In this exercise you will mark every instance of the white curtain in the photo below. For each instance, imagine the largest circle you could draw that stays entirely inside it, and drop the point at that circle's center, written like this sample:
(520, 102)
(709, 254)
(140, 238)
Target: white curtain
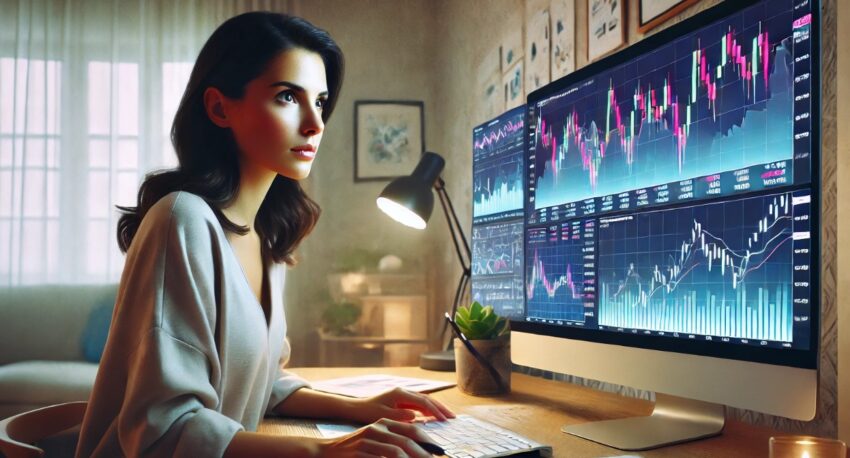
(88, 91)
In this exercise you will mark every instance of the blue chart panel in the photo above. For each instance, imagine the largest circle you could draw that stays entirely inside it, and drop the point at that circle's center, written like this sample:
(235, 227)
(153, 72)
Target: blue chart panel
(718, 100)
(560, 278)
(723, 269)
(497, 266)
(498, 149)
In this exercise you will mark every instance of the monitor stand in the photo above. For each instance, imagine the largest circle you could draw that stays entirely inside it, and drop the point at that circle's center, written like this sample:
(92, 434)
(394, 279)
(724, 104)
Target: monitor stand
(673, 420)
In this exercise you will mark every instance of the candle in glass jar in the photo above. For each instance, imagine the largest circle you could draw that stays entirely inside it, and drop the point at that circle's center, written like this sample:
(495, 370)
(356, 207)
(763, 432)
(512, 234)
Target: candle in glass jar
(806, 447)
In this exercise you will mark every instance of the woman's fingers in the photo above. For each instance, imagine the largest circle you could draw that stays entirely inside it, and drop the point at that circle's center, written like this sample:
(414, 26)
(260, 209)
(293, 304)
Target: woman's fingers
(446, 411)
(383, 448)
(423, 403)
(396, 437)
(410, 430)
(398, 414)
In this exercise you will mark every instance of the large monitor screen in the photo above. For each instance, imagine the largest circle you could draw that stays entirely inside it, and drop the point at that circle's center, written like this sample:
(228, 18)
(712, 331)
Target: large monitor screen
(498, 197)
(672, 190)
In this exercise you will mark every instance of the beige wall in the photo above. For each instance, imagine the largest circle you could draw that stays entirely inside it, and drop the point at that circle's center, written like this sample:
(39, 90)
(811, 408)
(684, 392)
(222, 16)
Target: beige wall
(430, 50)
(386, 46)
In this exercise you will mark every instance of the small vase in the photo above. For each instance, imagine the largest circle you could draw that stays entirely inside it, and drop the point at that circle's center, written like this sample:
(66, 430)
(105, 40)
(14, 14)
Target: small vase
(472, 377)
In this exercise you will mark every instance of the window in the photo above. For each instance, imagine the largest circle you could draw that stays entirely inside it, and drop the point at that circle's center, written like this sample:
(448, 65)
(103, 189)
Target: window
(29, 169)
(175, 77)
(86, 107)
(113, 159)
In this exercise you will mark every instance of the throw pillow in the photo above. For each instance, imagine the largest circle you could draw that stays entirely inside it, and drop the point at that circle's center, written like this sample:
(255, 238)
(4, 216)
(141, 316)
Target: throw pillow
(93, 338)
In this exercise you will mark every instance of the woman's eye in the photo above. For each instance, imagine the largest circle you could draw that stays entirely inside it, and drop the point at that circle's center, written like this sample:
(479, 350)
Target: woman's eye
(286, 96)
(321, 103)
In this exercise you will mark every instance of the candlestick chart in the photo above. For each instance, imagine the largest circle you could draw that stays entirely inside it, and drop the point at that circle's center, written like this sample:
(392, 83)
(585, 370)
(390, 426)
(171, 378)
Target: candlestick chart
(718, 100)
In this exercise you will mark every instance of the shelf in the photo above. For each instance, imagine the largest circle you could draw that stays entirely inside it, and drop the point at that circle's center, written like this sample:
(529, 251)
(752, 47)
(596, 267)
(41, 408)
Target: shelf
(370, 339)
(352, 285)
(352, 351)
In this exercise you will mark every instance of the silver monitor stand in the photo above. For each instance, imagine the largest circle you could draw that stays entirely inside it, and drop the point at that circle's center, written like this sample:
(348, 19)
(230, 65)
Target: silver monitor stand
(673, 420)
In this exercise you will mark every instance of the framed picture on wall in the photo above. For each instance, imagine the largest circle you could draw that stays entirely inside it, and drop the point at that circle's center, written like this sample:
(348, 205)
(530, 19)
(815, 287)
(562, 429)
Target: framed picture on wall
(389, 138)
(655, 12)
(606, 27)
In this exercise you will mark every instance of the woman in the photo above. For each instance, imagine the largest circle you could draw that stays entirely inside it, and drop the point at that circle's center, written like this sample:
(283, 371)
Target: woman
(191, 363)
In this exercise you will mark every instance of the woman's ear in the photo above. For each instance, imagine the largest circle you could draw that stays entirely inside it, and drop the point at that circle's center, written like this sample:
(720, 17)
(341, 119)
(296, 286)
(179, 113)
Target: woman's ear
(214, 105)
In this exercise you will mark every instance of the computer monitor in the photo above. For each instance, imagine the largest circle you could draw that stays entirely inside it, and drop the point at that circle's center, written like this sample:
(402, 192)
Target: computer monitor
(498, 200)
(672, 222)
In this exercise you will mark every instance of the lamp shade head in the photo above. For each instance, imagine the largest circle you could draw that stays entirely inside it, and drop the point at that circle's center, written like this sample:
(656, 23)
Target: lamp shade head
(409, 199)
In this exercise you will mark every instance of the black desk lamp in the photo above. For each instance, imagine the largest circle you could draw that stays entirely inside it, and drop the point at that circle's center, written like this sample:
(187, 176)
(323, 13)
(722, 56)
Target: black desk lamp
(409, 201)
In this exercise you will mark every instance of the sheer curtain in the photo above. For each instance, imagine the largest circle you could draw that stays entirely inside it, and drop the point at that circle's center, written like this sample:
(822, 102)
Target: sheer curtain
(88, 91)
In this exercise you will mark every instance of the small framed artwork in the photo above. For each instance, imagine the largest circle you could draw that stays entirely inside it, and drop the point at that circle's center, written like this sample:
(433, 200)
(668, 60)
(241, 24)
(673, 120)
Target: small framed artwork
(389, 138)
(512, 81)
(562, 14)
(606, 27)
(655, 12)
(537, 49)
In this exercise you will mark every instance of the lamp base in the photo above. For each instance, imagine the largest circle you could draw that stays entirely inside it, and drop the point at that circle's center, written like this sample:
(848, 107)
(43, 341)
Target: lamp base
(438, 361)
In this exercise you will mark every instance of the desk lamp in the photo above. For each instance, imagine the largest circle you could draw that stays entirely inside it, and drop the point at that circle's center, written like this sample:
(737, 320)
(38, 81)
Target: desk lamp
(409, 200)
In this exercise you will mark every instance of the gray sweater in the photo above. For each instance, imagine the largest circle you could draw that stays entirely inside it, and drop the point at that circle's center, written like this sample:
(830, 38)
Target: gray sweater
(189, 360)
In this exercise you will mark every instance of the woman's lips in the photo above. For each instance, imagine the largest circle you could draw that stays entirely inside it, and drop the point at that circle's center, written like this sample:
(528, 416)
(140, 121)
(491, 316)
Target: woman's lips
(304, 154)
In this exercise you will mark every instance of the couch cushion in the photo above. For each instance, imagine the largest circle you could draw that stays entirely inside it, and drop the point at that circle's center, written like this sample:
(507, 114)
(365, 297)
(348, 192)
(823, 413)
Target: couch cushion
(46, 382)
(45, 322)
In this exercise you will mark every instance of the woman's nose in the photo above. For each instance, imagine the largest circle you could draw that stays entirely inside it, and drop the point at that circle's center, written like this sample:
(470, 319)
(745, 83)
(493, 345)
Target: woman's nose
(312, 123)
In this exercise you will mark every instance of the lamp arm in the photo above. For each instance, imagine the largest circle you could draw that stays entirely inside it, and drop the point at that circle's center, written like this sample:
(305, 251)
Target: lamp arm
(454, 224)
(457, 233)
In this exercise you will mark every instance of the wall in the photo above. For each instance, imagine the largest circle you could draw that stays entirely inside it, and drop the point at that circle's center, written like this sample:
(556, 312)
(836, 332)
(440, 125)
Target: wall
(385, 59)
(468, 30)
(843, 195)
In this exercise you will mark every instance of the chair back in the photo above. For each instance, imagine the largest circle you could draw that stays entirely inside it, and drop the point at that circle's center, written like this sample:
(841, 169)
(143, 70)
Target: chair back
(18, 433)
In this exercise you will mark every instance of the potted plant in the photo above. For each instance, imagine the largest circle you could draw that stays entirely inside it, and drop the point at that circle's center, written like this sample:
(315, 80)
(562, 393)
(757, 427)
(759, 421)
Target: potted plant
(489, 335)
(339, 318)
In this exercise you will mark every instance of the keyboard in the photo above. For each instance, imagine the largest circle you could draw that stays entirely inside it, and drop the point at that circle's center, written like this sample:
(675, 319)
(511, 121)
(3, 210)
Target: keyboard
(468, 437)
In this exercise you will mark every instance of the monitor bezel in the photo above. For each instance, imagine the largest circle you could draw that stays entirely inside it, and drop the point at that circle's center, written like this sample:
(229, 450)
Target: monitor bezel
(807, 359)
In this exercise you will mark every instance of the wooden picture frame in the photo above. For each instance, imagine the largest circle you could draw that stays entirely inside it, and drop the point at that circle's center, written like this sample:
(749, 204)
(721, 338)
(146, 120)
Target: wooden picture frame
(668, 9)
(602, 17)
(389, 138)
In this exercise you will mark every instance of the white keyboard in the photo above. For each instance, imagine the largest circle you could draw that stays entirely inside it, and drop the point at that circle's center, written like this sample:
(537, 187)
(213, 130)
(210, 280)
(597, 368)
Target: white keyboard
(468, 437)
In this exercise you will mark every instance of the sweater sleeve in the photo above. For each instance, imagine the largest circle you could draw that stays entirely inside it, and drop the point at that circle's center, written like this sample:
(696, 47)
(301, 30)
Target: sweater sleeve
(285, 383)
(170, 406)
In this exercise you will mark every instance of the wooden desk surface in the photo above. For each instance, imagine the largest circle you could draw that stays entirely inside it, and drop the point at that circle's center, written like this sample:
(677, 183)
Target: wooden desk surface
(537, 408)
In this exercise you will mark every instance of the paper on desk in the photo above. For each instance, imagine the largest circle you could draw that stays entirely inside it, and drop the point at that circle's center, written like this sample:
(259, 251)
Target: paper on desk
(363, 386)
(330, 430)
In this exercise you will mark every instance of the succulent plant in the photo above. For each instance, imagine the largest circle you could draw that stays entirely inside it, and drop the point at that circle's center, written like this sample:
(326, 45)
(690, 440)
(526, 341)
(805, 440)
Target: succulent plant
(480, 323)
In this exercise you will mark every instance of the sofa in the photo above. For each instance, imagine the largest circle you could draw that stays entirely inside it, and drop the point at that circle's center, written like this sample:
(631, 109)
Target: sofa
(51, 339)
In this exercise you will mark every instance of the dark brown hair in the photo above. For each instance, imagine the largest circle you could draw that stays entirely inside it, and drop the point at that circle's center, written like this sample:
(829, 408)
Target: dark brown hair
(237, 52)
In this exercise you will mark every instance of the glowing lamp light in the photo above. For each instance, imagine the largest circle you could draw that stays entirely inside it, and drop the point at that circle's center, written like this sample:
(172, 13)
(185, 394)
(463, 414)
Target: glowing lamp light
(409, 199)
(401, 213)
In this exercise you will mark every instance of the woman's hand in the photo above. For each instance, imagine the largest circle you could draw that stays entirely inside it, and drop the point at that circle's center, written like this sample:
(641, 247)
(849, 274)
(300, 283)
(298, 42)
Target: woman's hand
(398, 404)
(384, 438)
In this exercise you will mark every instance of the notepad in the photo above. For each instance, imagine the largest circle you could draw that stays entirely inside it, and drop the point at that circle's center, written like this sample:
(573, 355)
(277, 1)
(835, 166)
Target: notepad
(363, 386)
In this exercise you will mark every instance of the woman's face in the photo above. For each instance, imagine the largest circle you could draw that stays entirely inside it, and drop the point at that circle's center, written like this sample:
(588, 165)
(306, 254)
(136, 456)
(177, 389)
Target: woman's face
(278, 122)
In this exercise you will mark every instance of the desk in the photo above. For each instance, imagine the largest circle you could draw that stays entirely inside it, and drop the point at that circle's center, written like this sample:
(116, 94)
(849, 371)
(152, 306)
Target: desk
(537, 408)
